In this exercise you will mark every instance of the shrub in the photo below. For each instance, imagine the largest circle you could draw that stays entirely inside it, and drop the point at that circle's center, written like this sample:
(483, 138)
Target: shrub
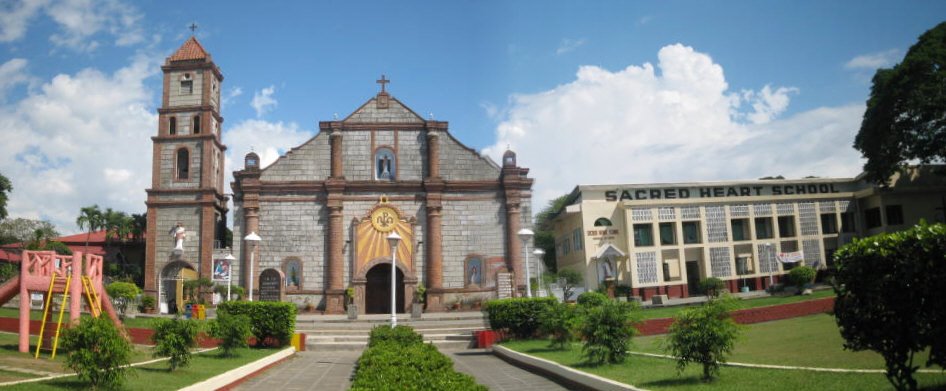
(148, 302)
(174, 338)
(270, 322)
(97, 352)
(802, 275)
(396, 361)
(231, 330)
(122, 294)
(592, 299)
(559, 321)
(194, 289)
(519, 316)
(712, 287)
(704, 335)
(890, 300)
(607, 330)
(8, 270)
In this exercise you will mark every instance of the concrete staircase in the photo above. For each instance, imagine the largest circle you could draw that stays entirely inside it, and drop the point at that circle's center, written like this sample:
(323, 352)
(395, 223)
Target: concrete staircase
(451, 330)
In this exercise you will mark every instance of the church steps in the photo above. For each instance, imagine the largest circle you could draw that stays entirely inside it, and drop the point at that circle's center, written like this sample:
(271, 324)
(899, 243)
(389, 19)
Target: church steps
(361, 345)
(450, 330)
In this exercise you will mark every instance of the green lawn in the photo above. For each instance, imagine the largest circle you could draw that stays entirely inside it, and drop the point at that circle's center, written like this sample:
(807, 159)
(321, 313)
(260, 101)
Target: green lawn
(805, 341)
(669, 312)
(142, 323)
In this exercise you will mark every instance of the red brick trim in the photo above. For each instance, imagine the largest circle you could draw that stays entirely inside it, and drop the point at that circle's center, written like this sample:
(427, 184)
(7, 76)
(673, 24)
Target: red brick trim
(752, 315)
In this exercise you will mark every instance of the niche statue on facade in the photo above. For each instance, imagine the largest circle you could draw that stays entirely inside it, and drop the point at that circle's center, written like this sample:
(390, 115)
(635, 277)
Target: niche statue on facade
(178, 233)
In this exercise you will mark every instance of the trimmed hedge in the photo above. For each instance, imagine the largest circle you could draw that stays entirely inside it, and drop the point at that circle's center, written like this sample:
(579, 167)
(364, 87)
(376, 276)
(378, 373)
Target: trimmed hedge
(521, 316)
(271, 322)
(397, 359)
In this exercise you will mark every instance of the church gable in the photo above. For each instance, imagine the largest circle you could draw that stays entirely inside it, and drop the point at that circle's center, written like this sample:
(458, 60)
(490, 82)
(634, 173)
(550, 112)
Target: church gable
(383, 109)
(461, 163)
(310, 161)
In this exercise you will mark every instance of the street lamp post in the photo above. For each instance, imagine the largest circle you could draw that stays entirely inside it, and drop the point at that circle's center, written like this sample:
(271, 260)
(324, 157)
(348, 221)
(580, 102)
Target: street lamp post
(539, 268)
(393, 240)
(230, 260)
(253, 239)
(525, 234)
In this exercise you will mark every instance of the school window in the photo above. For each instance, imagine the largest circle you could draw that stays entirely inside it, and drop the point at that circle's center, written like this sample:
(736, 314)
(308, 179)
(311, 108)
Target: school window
(829, 223)
(576, 237)
(847, 222)
(786, 226)
(763, 227)
(667, 234)
(602, 222)
(894, 214)
(872, 217)
(643, 235)
(740, 229)
(691, 232)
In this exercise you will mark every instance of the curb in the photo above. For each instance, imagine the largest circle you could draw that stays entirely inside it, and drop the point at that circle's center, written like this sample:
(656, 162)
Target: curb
(237, 375)
(560, 372)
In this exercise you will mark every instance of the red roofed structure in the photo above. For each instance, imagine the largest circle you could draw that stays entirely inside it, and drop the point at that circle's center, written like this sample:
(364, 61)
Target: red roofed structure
(189, 51)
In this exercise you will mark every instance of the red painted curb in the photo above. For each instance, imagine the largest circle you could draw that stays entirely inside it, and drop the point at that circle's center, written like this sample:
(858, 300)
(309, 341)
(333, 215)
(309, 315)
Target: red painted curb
(751, 315)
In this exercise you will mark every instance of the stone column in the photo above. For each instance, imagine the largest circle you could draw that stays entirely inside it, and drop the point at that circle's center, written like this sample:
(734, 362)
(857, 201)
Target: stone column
(513, 244)
(335, 267)
(434, 262)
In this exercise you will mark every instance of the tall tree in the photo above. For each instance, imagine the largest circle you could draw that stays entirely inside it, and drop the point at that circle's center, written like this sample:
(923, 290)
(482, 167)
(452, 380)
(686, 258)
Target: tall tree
(139, 225)
(905, 118)
(5, 188)
(544, 234)
(91, 218)
(20, 230)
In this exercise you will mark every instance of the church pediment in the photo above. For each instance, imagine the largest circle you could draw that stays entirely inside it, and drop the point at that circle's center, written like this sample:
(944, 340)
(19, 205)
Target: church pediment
(383, 108)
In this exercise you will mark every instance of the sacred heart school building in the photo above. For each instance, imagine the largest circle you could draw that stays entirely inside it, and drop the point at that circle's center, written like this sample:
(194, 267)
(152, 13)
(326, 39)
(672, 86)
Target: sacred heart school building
(663, 239)
(324, 210)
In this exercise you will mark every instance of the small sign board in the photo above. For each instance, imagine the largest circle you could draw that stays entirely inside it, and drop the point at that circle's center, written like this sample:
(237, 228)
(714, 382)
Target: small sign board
(271, 285)
(504, 285)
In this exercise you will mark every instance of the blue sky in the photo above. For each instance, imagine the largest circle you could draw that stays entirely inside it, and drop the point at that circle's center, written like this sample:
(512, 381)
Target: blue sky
(694, 90)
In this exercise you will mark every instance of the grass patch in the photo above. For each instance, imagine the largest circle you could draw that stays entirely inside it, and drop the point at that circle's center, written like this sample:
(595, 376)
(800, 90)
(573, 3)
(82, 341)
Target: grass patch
(139, 323)
(10, 355)
(740, 304)
(6, 376)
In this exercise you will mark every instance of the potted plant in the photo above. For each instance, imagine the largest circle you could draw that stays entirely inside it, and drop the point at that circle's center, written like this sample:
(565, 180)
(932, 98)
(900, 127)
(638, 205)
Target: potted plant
(148, 304)
(417, 308)
(351, 306)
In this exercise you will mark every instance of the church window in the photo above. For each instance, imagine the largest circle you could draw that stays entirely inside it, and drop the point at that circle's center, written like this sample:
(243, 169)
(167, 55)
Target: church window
(187, 85)
(183, 163)
(384, 164)
(602, 222)
(172, 126)
(196, 124)
(292, 269)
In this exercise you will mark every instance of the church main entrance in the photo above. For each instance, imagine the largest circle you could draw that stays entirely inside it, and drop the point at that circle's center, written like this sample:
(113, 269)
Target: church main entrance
(378, 289)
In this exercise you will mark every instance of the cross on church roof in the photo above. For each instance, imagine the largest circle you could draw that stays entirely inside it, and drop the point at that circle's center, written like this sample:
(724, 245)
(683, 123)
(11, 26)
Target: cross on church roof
(382, 82)
(193, 28)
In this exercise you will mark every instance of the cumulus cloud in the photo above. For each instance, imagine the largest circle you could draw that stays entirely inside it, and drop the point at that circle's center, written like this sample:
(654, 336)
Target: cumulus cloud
(568, 45)
(80, 139)
(12, 73)
(79, 21)
(673, 122)
(231, 94)
(873, 61)
(263, 101)
(16, 16)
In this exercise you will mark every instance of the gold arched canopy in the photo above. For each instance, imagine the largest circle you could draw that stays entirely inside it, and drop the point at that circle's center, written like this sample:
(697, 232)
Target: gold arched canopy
(371, 234)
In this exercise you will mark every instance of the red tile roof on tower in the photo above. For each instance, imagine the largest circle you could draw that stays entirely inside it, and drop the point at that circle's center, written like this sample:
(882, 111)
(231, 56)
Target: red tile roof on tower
(190, 50)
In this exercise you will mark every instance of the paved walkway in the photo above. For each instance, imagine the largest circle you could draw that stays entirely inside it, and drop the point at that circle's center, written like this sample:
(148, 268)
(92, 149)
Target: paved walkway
(308, 370)
(496, 374)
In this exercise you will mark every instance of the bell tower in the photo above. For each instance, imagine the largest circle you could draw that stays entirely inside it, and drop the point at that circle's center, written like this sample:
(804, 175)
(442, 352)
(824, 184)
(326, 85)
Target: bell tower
(186, 199)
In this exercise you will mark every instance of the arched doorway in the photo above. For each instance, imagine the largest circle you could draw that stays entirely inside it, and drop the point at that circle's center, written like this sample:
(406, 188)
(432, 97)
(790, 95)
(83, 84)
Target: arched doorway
(378, 289)
(171, 288)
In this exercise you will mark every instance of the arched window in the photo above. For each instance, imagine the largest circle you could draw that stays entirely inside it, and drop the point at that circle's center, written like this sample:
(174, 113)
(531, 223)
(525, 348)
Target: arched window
(292, 269)
(196, 124)
(602, 222)
(172, 126)
(183, 163)
(385, 165)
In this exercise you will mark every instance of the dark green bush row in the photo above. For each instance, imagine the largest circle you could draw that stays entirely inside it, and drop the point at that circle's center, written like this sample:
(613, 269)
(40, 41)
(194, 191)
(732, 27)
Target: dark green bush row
(397, 359)
(519, 316)
(272, 322)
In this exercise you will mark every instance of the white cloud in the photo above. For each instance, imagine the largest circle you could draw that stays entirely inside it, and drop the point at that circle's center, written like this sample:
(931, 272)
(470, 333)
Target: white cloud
(674, 122)
(263, 101)
(12, 73)
(873, 61)
(15, 16)
(79, 21)
(80, 139)
(568, 45)
(228, 97)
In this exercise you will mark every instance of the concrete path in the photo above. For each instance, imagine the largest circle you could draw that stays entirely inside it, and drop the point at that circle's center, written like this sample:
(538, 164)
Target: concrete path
(496, 374)
(308, 370)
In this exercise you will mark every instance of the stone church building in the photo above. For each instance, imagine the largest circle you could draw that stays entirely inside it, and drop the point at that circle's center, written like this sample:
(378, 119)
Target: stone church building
(325, 208)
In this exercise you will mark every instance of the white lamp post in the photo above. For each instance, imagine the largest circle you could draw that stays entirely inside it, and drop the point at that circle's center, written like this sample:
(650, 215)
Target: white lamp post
(253, 239)
(525, 234)
(229, 259)
(393, 240)
(539, 268)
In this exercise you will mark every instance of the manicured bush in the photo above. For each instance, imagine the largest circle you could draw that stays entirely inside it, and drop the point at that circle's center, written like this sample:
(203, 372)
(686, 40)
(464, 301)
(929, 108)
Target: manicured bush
(801, 276)
(231, 330)
(607, 330)
(592, 299)
(395, 361)
(559, 322)
(122, 294)
(712, 287)
(174, 338)
(97, 352)
(890, 298)
(272, 323)
(147, 303)
(519, 316)
(704, 335)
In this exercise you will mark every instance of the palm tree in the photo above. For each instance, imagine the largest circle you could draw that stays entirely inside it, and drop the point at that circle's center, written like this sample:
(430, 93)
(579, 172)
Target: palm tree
(90, 217)
(139, 224)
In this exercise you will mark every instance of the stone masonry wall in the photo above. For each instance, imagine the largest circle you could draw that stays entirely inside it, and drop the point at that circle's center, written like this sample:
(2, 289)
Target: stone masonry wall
(357, 156)
(470, 227)
(177, 97)
(294, 229)
(168, 156)
(167, 218)
(460, 164)
(310, 161)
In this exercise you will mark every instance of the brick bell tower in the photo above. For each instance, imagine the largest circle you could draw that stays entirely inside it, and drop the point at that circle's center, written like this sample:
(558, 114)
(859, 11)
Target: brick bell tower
(187, 172)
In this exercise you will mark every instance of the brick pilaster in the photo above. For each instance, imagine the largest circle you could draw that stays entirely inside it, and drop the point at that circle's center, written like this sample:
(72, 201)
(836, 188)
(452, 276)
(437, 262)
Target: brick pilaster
(513, 244)
(336, 145)
(335, 267)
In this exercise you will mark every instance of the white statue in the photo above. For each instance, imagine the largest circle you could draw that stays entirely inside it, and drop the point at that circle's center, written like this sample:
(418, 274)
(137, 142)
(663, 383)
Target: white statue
(178, 233)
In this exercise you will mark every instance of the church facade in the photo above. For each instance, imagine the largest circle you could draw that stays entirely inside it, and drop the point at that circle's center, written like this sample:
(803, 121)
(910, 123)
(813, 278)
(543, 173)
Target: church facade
(324, 210)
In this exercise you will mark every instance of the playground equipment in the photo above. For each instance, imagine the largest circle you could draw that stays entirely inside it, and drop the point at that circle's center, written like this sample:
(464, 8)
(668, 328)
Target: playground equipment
(74, 276)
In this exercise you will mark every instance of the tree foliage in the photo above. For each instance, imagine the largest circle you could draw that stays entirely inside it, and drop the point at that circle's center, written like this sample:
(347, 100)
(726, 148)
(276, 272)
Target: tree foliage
(906, 114)
(231, 330)
(122, 294)
(889, 298)
(97, 352)
(5, 188)
(801, 276)
(712, 287)
(703, 335)
(559, 322)
(174, 338)
(607, 330)
(568, 279)
(544, 235)
(20, 230)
